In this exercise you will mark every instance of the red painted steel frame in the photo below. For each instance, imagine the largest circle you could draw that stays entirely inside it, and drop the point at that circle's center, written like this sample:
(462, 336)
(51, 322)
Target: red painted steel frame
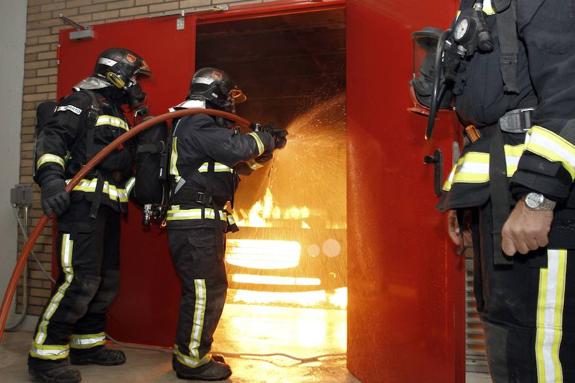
(406, 286)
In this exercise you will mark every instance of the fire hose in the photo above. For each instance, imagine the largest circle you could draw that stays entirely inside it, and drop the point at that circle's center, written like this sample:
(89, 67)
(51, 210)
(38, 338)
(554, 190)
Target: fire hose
(17, 272)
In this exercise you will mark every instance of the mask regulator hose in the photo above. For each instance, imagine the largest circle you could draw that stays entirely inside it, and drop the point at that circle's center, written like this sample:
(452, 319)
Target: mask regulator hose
(439, 87)
(11, 288)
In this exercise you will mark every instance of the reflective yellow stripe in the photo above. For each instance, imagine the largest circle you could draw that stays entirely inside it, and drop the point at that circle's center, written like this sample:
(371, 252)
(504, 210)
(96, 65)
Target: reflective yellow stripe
(199, 313)
(112, 121)
(51, 352)
(551, 146)
(174, 159)
(190, 361)
(66, 260)
(114, 193)
(87, 340)
(49, 158)
(473, 167)
(175, 214)
(259, 142)
(217, 168)
(550, 303)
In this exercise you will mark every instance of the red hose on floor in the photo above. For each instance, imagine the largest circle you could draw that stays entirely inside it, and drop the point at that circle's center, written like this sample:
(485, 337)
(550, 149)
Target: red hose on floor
(11, 289)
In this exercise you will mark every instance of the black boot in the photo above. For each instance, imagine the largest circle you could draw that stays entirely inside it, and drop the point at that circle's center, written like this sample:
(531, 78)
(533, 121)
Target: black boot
(213, 370)
(97, 355)
(52, 371)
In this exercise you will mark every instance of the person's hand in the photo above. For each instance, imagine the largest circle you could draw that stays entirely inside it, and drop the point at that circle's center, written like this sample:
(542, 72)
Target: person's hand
(525, 229)
(453, 229)
(54, 197)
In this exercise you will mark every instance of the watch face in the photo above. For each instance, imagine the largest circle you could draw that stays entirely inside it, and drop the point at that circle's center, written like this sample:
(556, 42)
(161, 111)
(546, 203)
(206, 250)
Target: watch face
(534, 200)
(461, 29)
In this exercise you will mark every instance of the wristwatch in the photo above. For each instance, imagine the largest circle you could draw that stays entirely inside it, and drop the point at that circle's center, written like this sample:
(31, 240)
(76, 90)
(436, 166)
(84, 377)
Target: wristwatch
(537, 201)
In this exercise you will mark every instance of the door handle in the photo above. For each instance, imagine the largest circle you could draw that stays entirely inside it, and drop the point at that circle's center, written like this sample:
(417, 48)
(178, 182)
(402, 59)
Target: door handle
(437, 160)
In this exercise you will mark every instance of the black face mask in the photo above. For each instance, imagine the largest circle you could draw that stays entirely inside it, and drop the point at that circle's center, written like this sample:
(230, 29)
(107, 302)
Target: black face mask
(134, 96)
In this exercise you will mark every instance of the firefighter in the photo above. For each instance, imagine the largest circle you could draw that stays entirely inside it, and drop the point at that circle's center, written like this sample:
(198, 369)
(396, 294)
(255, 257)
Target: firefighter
(84, 122)
(513, 185)
(205, 160)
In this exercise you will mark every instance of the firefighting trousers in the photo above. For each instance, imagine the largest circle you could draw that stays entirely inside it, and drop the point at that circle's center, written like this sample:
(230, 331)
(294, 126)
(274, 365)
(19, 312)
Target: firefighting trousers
(527, 310)
(88, 264)
(198, 255)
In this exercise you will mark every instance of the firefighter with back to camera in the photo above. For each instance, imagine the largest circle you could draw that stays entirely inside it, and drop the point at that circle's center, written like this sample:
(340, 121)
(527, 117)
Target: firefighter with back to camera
(71, 328)
(206, 158)
(510, 66)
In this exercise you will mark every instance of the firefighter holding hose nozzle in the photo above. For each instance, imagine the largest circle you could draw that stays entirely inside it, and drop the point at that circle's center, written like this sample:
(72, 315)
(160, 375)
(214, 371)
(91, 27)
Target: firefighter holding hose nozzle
(71, 328)
(207, 155)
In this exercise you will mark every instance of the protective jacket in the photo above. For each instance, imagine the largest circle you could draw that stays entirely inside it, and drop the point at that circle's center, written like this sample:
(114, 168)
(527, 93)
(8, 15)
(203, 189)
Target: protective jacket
(82, 125)
(204, 163)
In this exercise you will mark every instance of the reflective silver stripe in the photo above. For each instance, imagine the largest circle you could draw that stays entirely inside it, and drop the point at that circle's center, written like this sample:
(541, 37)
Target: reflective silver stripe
(259, 143)
(550, 303)
(473, 167)
(49, 158)
(254, 165)
(87, 340)
(106, 61)
(115, 194)
(488, 7)
(551, 146)
(190, 361)
(66, 260)
(51, 352)
(219, 168)
(130, 185)
(184, 214)
(199, 313)
(203, 80)
(112, 121)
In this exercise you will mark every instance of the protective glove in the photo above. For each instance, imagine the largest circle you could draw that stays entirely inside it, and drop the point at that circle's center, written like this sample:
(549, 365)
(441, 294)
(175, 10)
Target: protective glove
(280, 138)
(279, 135)
(54, 198)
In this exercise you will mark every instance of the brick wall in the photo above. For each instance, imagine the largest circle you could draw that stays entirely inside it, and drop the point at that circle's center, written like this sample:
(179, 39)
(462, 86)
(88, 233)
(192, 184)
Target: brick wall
(43, 25)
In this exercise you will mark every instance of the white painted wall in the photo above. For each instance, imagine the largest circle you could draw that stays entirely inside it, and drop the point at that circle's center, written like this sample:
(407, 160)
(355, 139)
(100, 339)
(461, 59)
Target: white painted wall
(12, 42)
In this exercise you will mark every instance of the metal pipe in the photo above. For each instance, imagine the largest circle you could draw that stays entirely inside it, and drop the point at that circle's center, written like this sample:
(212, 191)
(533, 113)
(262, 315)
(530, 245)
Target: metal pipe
(9, 293)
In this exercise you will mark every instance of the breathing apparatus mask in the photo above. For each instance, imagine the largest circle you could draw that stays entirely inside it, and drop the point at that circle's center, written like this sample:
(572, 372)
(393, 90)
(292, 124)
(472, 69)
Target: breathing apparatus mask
(436, 58)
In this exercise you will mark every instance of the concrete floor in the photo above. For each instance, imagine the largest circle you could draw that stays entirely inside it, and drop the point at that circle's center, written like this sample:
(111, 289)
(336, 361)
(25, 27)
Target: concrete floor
(299, 332)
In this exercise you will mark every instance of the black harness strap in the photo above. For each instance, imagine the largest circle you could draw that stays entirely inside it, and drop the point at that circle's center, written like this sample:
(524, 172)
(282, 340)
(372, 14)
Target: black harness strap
(508, 42)
(97, 196)
(499, 190)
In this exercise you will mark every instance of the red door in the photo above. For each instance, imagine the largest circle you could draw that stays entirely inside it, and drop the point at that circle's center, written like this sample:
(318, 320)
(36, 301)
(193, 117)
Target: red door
(406, 286)
(149, 291)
